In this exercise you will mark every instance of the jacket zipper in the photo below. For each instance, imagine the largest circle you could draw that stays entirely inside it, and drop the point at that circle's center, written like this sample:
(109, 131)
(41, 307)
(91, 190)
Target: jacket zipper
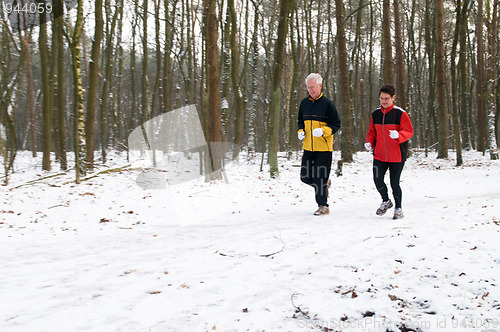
(312, 137)
(383, 134)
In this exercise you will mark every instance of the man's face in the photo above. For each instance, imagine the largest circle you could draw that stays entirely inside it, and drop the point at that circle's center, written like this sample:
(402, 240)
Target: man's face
(314, 89)
(386, 100)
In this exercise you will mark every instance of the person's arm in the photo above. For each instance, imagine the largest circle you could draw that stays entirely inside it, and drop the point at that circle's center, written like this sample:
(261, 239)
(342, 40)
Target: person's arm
(334, 122)
(405, 129)
(300, 122)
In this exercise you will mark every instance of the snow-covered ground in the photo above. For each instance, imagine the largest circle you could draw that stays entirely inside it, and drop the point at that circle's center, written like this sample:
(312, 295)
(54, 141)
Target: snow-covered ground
(248, 255)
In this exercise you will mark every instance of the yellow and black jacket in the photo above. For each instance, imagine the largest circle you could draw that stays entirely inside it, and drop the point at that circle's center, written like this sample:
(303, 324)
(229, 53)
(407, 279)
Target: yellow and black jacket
(319, 113)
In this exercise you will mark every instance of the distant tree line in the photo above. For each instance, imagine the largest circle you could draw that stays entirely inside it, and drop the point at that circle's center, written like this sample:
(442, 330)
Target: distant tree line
(80, 81)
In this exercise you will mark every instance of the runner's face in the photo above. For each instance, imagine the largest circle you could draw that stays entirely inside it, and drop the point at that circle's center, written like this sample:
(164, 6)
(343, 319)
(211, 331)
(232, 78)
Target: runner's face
(314, 89)
(386, 100)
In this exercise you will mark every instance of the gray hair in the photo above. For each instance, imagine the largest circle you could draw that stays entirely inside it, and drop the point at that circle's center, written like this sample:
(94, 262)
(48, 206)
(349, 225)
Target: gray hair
(315, 76)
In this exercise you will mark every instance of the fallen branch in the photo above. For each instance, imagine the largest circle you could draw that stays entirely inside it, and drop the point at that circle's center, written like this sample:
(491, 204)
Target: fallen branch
(40, 179)
(106, 171)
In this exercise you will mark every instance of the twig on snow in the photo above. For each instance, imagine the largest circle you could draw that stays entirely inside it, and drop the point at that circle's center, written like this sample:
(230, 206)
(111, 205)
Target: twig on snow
(307, 316)
(277, 252)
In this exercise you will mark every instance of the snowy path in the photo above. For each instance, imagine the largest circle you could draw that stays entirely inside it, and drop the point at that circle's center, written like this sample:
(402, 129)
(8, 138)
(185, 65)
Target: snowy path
(251, 256)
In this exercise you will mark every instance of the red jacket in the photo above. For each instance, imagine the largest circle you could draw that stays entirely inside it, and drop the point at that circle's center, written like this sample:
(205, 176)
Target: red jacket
(386, 148)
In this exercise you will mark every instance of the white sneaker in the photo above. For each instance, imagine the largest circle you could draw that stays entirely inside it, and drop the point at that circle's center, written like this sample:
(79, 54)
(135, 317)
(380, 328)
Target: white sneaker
(322, 210)
(398, 213)
(384, 207)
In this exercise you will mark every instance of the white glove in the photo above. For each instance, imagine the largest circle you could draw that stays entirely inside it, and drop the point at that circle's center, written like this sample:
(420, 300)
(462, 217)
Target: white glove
(393, 134)
(368, 146)
(301, 135)
(318, 132)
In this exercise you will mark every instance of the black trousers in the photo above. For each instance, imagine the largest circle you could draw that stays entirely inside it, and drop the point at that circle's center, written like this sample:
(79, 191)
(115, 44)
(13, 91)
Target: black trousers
(395, 169)
(315, 171)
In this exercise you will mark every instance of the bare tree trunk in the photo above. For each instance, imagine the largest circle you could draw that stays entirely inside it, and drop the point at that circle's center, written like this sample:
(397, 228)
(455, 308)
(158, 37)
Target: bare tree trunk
(168, 103)
(119, 87)
(31, 88)
(235, 76)
(134, 108)
(482, 119)
(431, 100)
(286, 7)
(106, 110)
(463, 77)
(371, 63)
(492, 76)
(157, 99)
(344, 84)
(294, 96)
(79, 118)
(497, 115)
(454, 89)
(145, 62)
(362, 106)
(358, 63)
(59, 95)
(224, 69)
(8, 85)
(94, 73)
(400, 63)
(213, 90)
(441, 83)
(252, 143)
(47, 93)
(387, 44)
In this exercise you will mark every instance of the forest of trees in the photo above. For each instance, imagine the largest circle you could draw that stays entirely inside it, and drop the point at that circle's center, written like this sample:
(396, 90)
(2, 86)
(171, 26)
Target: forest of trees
(86, 73)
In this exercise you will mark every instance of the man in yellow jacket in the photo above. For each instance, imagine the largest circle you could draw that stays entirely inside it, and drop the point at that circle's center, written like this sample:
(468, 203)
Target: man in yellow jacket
(318, 121)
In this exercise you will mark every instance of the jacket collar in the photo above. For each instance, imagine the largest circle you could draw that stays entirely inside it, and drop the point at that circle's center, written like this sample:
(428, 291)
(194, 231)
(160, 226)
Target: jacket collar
(386, 110)
(313, 100)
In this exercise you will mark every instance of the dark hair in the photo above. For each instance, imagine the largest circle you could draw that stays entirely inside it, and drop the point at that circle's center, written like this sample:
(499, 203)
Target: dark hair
(389, 89)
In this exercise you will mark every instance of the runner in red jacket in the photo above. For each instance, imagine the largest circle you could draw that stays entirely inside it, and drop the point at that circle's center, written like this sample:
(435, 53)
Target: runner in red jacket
(388, 135)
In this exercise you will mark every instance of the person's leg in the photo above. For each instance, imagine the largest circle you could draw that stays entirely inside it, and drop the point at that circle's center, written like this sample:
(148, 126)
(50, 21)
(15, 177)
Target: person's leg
(395, 170)
(322, 168)
(306, 168)
(379, 170)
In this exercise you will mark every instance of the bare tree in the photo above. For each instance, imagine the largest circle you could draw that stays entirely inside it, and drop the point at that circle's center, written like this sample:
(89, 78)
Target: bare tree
(492, 17)
(235, 75)
(454, 88)
(441, 82)
(463, 77)
(213, 90)
(431, 79)
(8, 83)
(79, 116)
(286, 7)
(47, 92)
(31, 87)
(345, 105)
(60, 94)
(94, 83)
(400, 65)
(387, 44)
(482, 119)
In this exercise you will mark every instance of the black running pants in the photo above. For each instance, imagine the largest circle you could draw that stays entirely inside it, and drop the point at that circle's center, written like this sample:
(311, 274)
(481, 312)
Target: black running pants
(315, 171)
(395, 169)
